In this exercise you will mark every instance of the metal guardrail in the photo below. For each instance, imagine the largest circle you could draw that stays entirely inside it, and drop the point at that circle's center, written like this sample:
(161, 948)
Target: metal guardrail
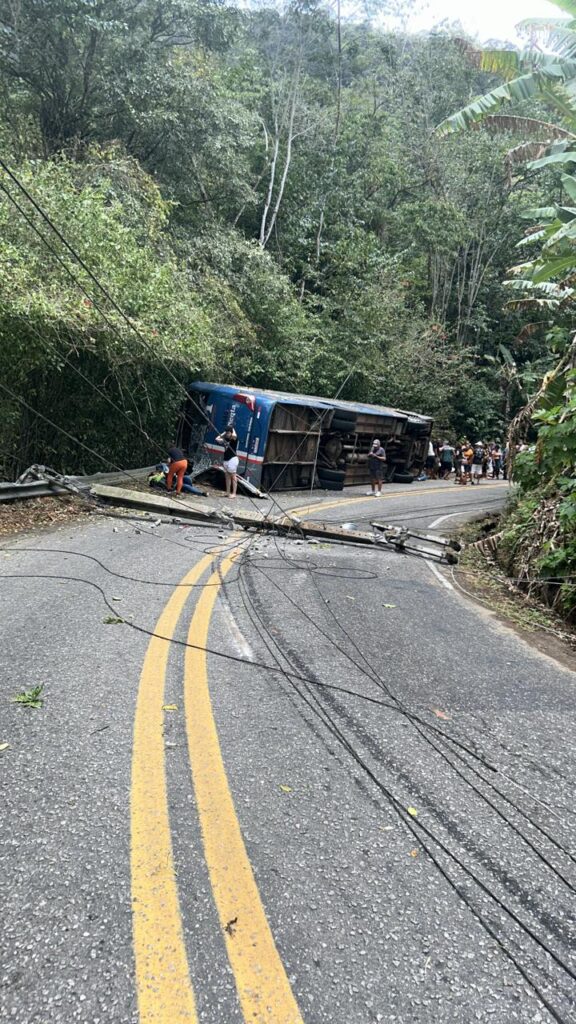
(49, 484)
(31, 489)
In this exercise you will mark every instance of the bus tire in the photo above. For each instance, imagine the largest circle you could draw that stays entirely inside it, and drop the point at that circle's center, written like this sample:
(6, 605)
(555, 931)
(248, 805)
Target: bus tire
(343, 426)
(333, 475)
(331, 485)
(345, 414)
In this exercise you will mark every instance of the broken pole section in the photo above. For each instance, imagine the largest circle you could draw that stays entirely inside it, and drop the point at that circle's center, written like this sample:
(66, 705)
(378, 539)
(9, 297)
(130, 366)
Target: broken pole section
(398, 538)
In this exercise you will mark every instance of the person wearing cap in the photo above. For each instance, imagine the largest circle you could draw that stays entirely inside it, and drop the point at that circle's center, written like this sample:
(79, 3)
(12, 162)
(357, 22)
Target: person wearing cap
(376, 467)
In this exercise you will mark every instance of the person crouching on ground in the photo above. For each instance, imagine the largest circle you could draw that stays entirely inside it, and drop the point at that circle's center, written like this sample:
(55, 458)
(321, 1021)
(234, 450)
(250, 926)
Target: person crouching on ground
(177, 466)
(376, 467)
(229, 439)
(159, 476)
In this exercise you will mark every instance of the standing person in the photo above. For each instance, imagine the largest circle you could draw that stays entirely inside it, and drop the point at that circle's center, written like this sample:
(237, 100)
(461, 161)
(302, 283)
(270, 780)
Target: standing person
(177, 466)
(458, 462)
(496, 461)
(477, 462)
(229, 438)
(376, 467)
(430, 461)
(447, 453)
(467, 455)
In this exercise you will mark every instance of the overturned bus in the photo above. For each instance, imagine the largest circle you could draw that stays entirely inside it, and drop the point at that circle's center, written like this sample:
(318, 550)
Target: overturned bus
(286, 442)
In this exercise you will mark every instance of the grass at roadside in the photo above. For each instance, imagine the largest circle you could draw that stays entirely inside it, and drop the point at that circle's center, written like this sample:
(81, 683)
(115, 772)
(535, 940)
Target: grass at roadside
(481, 578)
(477, 572)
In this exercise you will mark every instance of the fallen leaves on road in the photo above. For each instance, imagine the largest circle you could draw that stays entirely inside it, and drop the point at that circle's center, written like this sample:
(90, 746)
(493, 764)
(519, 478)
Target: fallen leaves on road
(286, 789)
(18, 516)
(30, 698)
(413, 812)
(169, 707)
(4, 746)
(388, 605)
(441, 714)
(112, 620)
(231, 926)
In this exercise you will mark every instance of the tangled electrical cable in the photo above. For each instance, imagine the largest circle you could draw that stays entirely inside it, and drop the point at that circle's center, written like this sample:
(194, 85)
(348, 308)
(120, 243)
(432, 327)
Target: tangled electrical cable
(417, 827)
(415, 719)
(368, 670)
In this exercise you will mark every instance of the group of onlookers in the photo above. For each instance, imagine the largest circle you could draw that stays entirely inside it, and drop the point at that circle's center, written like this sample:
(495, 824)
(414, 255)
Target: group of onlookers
(470, 463)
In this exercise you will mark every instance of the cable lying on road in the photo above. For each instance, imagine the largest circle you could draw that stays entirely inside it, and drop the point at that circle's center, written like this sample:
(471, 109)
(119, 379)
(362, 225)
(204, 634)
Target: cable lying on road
(124, 576)
(417, 827)
(414, 512)
(350, 574)
(421, 724)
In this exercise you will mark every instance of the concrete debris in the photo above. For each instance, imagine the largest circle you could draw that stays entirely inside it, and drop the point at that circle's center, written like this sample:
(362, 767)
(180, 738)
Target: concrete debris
(382, 535)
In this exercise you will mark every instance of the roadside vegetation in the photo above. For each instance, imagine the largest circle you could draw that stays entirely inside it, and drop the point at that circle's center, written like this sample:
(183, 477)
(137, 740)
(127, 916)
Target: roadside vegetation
(260, 191)
(538, 534)
(273, 194)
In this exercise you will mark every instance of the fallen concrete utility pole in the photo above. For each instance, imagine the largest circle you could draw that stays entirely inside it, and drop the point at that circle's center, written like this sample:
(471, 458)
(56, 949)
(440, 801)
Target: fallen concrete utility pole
(412, 543)
(398, 538)
(153, 502)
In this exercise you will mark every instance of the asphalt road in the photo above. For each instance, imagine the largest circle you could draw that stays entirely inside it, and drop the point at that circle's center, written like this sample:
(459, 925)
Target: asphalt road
(372, 823)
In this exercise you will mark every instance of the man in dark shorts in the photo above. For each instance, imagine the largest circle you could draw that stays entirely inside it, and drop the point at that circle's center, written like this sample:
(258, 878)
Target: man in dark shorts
(376, 468)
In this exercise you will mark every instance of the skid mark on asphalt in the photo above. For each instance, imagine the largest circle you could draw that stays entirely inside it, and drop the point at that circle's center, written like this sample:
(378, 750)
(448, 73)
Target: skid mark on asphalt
(263, 987)
(164, 990)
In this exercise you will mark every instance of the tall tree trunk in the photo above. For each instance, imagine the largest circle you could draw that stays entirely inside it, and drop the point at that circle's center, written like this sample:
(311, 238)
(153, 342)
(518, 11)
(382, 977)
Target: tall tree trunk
(270, 192)
(284, 177)
(336, 126)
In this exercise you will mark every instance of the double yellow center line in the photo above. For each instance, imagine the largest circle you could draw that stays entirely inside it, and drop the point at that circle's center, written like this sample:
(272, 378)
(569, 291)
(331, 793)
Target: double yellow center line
(164, 987)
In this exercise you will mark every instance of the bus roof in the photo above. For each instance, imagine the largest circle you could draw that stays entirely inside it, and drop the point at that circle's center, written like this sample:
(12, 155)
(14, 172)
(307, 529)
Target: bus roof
(287, 398)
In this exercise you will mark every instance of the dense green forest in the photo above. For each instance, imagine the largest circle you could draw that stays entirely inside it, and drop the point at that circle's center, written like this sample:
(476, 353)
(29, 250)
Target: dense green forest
(538, 100)
(262, 194)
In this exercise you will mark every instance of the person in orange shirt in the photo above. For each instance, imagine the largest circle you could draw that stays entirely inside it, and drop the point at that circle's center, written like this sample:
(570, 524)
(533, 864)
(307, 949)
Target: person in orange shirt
(467, 456)
(177, 466)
